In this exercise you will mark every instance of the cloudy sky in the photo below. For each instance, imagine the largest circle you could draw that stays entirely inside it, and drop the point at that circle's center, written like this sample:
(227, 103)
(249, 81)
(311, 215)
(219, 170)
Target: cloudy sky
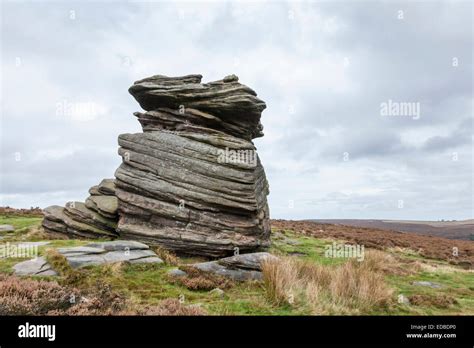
(328, 71)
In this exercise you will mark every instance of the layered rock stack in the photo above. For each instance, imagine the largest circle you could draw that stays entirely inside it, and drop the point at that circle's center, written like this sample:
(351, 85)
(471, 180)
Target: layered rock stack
(96, 218)
(192, 182)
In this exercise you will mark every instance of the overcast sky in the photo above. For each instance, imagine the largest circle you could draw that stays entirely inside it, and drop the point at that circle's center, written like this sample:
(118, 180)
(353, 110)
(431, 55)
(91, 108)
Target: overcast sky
(325, 70)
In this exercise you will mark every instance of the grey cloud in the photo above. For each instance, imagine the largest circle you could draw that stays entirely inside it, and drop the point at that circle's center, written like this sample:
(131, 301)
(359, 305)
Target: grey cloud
(462, 135)
(291, 62)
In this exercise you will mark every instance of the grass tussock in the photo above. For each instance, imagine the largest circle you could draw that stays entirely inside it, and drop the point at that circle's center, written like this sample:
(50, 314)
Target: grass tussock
(167, 256)
(37, 233)
(197, 279)
(351, 288)
(59, 263)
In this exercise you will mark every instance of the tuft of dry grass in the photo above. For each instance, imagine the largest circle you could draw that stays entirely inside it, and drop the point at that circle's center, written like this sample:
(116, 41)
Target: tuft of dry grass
(37, 233)
(197, 279)
(60, 264)
(167, 256)
(353, 287)
(57, 261)
(172, 306)
(113, 269)
(281, 279)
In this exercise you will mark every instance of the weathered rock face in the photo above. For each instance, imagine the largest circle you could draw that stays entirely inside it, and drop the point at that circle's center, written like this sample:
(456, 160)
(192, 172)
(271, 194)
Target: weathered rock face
(180, 102)
(192, 182)
(97, 218)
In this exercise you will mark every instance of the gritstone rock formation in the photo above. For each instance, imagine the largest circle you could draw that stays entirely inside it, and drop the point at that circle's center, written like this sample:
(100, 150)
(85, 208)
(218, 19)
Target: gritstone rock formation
(97, 218)
(192, 182)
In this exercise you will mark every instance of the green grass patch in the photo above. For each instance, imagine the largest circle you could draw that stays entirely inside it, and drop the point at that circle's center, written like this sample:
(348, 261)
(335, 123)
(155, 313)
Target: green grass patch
(20, 222)
(308, 248)
(148, 284)
(457, 284)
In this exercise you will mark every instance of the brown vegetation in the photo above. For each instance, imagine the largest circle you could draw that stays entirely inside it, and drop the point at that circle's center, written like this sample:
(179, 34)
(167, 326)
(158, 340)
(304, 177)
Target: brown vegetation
(172, 306)
(426, 246)
(32, 212)
(167, 256)
(462, 229)
(353, 287)
(22, 296)
(196, 279)
(439, 301)
(38, 233)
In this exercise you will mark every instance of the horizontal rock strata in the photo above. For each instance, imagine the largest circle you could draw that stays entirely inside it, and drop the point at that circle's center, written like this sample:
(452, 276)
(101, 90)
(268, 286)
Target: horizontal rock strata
(96, 218)
(193, 182)
(225, 104)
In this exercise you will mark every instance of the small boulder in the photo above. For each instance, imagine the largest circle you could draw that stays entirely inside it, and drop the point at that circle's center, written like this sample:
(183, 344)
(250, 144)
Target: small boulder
(252, 261)
(428, 284)
(38, 266)
(402, 299)
(235, 274)
(7, 228)
(176, 273)
(217, 292)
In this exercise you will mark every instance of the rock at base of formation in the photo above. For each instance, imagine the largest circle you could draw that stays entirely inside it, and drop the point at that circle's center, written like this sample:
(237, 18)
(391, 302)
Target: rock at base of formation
(91, 254)
(239, 267)
(191, 182)
(96, 218)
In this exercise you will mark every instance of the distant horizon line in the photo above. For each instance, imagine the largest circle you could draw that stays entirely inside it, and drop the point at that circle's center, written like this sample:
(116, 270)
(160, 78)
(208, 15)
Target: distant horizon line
(375, 219)
(312, 219)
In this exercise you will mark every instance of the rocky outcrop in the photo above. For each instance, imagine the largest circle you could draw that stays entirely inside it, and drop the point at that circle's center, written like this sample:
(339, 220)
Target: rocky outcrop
(192, 182)
(182, 102)
(96, 218)
(239, 267)
(91, 254)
